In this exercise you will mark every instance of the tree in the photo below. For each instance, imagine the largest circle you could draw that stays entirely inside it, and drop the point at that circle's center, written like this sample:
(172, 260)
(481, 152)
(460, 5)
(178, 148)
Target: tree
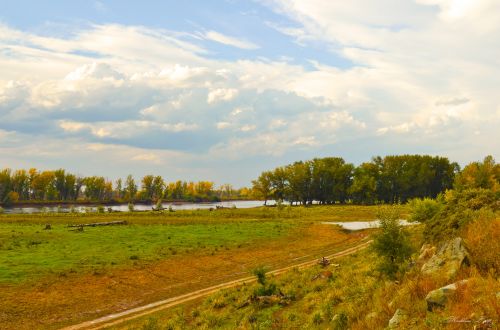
(392, 243)
(5, 183)
(96, 188)
(158, 187)
(147, 186)
(299, 179)
(484, 175)
(262, 186)
(363, 189)
(21, 184)
(130, 188)
(43, 185)
(119, 193)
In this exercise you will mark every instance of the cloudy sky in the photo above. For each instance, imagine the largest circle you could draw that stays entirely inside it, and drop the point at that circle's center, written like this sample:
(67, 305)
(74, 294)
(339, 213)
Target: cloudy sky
(221, 90)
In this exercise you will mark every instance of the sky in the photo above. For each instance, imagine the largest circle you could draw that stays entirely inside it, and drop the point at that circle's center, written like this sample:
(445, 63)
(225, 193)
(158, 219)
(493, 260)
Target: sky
(222, 90)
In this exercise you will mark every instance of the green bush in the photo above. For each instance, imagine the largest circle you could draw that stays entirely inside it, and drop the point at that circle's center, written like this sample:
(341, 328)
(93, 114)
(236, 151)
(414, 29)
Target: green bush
(392, 243)
(264, 289)
(425, 209)
(260, 273)
(460, 208)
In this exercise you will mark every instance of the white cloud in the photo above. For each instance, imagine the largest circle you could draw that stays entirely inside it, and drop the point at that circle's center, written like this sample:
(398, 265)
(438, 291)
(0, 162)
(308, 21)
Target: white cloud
(230, 41)
(221, 94)
(425, 71)
(248, 128)
(150, 157)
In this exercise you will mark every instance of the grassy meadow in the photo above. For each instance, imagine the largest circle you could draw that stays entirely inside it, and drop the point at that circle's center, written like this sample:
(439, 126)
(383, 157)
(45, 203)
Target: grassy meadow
(28, 252)
(351, 294)
(51, 278)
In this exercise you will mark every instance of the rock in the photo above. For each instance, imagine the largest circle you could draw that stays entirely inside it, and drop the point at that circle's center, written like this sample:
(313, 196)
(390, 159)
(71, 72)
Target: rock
(397, 319)
(447, 260)
(426, 252)
(439, 297)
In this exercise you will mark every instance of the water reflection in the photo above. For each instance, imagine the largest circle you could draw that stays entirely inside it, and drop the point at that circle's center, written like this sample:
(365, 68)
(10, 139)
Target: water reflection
(137, 207)
(358, 225)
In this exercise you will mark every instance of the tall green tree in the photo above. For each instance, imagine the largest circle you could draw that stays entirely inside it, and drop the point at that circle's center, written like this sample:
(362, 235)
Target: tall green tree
(130, 188)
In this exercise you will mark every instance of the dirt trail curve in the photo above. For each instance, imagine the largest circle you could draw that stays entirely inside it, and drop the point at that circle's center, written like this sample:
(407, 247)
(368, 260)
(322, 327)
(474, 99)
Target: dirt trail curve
(117, 318)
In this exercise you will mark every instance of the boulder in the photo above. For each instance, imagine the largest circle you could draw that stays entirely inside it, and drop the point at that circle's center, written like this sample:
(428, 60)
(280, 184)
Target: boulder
(447, 260)
(426, 252)
(398, 319)
(439, 297)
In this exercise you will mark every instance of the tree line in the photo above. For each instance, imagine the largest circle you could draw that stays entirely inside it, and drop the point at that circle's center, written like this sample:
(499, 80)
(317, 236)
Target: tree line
(60, 185)
(324, 180)
(382, 180)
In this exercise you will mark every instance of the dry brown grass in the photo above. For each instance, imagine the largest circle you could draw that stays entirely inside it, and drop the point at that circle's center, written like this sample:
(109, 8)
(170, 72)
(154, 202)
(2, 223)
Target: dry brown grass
(483, 241)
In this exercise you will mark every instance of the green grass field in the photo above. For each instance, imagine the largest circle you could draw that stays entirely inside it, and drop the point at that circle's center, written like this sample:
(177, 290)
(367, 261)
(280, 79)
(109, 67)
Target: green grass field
(28, 252)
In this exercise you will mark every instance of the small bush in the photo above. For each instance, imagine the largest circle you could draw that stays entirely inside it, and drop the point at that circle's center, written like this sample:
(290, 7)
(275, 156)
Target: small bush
(100, 209)
(260, 273)
(392, 243)
(130, 207)
(424, 209)
(2, 210)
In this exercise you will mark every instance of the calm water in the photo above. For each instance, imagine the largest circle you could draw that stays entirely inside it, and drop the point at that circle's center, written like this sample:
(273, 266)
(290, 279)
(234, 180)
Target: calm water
(358, 225)
(138, 207)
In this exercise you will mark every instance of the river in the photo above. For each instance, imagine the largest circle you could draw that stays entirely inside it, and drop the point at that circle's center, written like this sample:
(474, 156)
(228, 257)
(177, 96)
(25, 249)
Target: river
(137, 207)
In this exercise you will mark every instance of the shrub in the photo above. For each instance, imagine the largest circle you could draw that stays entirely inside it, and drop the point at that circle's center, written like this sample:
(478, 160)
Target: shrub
(392, 243)
(424, 209)
(264, 289)
(100, 209)
(260, 273)
(460, 208)
(130, 207)
(2, 210)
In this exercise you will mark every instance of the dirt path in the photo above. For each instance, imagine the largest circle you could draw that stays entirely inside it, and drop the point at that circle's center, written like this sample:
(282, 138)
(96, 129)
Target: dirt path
(117, 318)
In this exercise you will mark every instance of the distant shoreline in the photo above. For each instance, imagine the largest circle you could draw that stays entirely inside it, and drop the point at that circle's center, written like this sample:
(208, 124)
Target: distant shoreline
(41, 204)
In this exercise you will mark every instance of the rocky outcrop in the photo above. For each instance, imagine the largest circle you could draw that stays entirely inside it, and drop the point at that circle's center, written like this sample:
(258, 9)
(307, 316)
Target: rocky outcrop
(447, 260)
(426, 252)
(439, 297)
(398, 319)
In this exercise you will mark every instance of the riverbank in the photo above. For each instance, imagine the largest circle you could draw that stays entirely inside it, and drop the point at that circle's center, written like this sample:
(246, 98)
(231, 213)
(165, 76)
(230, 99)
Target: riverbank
(113, 202)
